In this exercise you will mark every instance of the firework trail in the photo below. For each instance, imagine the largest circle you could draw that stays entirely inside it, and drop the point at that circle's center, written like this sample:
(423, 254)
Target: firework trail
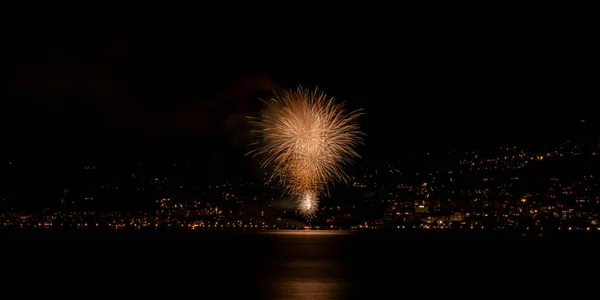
(308, 139)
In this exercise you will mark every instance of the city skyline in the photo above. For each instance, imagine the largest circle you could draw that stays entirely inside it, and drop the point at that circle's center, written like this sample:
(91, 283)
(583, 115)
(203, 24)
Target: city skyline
(513, 189)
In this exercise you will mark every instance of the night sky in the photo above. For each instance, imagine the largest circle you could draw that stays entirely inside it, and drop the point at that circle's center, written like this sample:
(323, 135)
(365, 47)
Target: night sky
(91, 93)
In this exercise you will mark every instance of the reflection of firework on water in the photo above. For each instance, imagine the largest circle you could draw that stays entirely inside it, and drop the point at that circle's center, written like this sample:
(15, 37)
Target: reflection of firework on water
(308, 203)
(307, 138)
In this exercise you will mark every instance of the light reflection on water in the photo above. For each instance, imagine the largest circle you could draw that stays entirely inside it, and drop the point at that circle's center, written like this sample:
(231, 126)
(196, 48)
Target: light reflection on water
(306, 265)
(307, 232)
(307, 288)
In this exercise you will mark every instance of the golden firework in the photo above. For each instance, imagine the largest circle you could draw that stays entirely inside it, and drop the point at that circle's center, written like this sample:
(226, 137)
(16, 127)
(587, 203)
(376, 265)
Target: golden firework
(308, 203)
(308, 139)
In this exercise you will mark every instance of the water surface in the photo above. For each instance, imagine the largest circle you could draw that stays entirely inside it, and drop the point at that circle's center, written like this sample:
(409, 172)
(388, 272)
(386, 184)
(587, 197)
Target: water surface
(295, 264)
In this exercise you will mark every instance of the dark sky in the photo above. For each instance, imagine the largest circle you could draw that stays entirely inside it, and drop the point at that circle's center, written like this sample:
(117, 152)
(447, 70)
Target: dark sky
(92, 92)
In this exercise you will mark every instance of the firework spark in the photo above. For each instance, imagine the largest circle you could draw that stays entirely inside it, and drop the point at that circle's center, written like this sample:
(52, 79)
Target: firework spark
(308, 139)
(308, 203)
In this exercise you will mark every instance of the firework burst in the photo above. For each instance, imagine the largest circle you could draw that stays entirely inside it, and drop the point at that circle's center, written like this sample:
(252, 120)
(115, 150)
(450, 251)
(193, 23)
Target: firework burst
(308, 139)
(308, 203)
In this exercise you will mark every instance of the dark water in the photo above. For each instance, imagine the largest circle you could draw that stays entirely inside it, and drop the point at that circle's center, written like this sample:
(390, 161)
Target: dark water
(300, 264)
